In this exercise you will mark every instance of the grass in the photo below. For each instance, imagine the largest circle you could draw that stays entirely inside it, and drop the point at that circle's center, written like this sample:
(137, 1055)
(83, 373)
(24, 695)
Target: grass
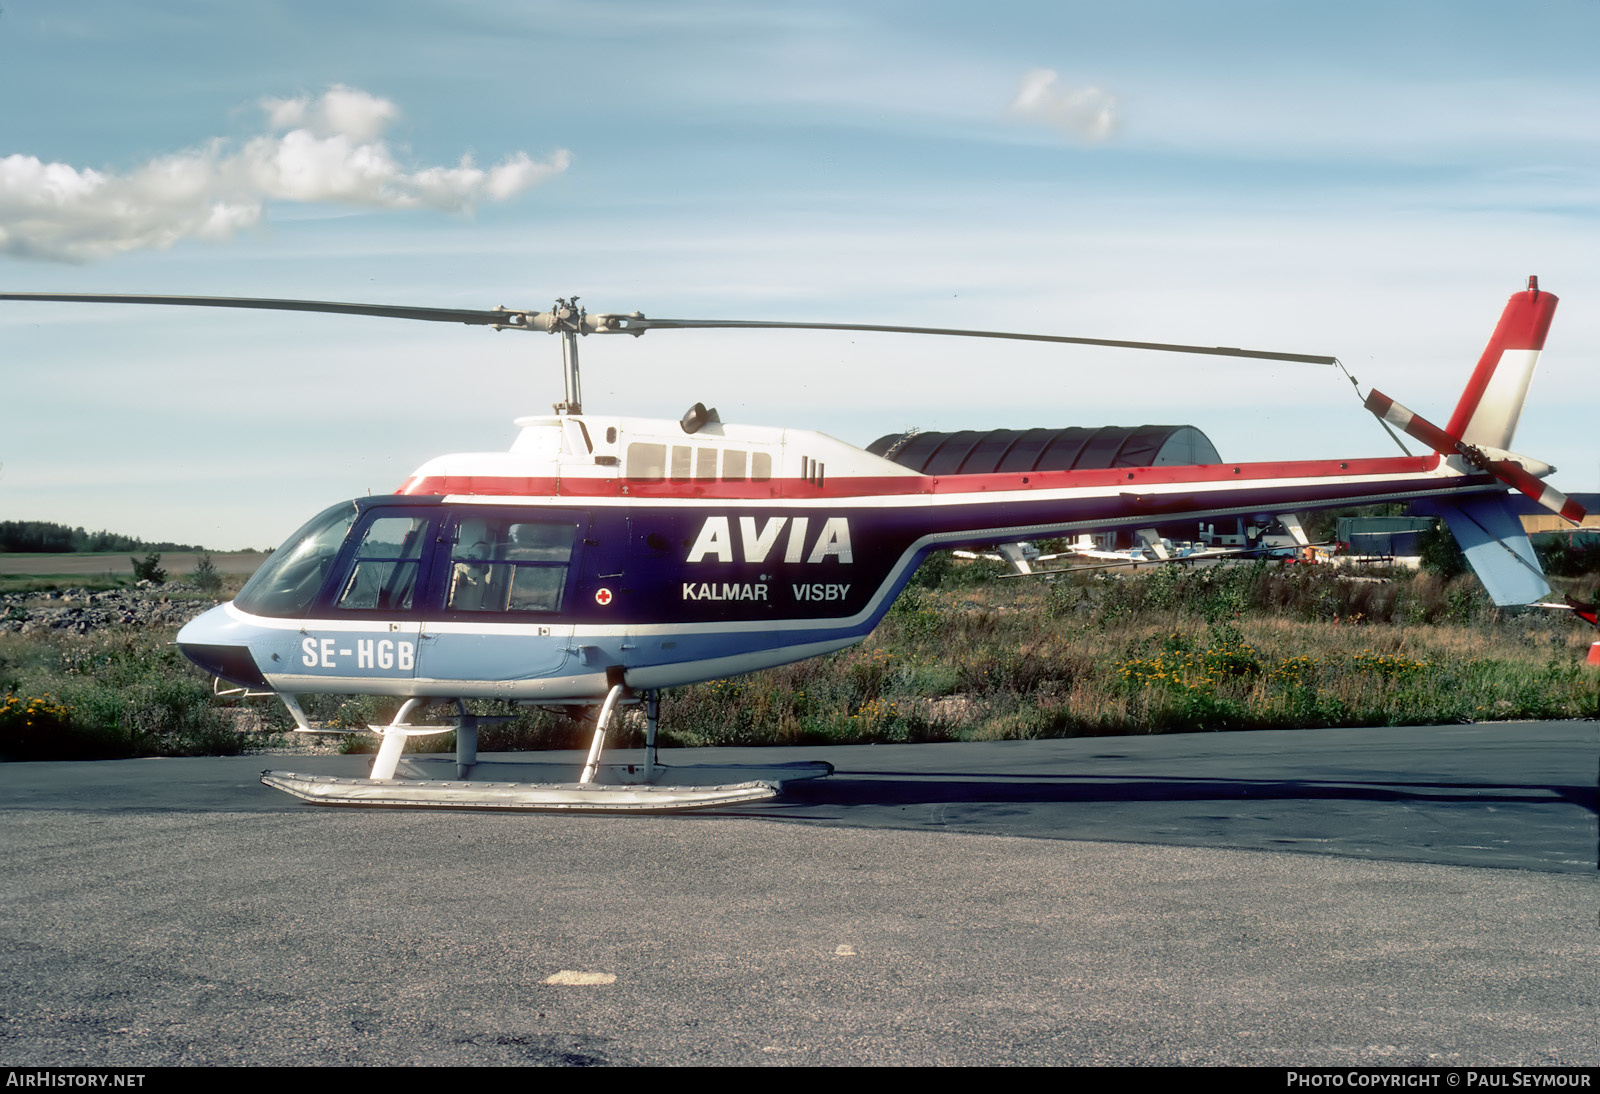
(1235, 648)
(44, 583)
(1226, 648)
(114, 692)
(110, 694)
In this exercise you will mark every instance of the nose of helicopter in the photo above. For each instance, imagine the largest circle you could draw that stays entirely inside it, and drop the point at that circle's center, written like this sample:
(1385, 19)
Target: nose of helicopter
(215, 641)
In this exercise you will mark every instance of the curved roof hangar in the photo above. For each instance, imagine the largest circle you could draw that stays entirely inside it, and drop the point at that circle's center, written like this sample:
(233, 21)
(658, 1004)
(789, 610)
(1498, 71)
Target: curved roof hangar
(1071, 448)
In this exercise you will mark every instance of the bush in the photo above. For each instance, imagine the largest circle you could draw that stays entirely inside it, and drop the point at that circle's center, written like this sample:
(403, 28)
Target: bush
(1440, 554)
(149, 570)
(205, 575)
(1565, 555)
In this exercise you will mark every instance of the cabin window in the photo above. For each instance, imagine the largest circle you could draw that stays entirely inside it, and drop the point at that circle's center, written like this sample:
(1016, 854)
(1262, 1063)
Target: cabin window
(733, 464)
(705, 464)
(289, 581)
(760, 466)
(502, 564)
(647, 462)
(681, 454)
(384, 577)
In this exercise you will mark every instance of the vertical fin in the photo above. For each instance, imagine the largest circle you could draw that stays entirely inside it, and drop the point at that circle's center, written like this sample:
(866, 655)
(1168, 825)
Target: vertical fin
(1152, 542)
(1492, 402)
(1491, 536)
(1297, 532)
(1017, 555)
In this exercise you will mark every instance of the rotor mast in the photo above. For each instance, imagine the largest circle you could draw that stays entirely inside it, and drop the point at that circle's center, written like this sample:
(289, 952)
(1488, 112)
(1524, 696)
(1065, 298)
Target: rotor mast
(566, 319)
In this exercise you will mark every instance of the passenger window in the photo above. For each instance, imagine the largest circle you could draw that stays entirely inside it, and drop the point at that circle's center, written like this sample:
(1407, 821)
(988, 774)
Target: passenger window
(647, 462)
(705, 464)
(680, 462)
(733, 464)
(500, 564)
(385, 573)
(760, 466)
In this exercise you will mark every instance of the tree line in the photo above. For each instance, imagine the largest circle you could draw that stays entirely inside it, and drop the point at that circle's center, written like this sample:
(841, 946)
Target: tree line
(48, 537)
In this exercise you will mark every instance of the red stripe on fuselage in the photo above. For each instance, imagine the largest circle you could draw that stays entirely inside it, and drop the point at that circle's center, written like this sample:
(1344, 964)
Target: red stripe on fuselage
(1131, 479)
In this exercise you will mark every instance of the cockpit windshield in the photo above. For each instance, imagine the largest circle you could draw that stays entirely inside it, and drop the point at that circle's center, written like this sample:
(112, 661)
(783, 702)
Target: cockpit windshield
(289, 581)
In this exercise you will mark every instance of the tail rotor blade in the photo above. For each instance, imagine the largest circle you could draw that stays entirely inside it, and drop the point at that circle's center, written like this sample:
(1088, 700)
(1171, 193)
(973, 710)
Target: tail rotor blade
(1413, 425)
(1548, 496)
(1512, 474)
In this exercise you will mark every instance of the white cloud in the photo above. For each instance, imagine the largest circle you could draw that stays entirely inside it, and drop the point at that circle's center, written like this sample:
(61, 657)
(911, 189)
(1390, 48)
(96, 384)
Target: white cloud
(1086, 112)
(343, 111)
(328, 149)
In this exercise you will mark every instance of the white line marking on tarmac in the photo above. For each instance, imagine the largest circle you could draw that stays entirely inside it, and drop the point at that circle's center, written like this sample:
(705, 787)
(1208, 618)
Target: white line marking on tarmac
(582, 979)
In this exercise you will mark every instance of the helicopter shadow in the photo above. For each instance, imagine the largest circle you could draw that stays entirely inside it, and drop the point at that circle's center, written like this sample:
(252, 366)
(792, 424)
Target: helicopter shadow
(898, 788)
(1546, 826)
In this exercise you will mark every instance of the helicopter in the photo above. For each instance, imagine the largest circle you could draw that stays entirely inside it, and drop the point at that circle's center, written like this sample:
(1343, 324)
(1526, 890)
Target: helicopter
(602, 559)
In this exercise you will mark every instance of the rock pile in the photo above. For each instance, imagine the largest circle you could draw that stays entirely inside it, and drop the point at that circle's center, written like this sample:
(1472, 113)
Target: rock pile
(80, 611)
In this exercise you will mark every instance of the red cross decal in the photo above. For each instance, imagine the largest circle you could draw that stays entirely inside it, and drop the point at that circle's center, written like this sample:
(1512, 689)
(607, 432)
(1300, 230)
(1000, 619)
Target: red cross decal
(602, 597)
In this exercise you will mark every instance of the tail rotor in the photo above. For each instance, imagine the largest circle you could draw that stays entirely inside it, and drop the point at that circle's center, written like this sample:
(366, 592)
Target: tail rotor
(1498, 464)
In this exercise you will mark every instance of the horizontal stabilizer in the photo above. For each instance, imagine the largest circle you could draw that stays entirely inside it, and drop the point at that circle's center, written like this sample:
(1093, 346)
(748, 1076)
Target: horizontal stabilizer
(1499, 551)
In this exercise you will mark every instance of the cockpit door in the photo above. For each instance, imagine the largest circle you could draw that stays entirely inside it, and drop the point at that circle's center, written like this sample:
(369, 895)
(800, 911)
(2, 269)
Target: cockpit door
(500, 603)
(361, 634)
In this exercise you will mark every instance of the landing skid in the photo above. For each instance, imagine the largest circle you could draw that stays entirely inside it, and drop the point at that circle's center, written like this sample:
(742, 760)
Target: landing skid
(648, 787)
(531, 797)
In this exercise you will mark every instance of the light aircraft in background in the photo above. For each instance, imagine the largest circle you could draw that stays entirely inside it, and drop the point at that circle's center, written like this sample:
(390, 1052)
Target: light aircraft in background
(1026, 560)
(604, 558)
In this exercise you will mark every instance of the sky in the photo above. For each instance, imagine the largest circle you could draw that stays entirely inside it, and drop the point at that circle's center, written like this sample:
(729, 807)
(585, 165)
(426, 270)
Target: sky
(1366, 180)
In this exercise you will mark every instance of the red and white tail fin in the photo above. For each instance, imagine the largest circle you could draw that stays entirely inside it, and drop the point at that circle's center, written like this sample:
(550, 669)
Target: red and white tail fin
(1487, 415)
(1492, 402)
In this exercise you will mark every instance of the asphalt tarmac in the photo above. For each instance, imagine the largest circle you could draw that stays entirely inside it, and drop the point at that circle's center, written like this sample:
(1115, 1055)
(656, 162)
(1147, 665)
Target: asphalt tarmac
(1420, 896)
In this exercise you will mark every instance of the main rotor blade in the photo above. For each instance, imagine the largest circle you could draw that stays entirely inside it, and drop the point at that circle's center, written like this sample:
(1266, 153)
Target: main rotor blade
(622, 323)
(638, 325)
(497, 318)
